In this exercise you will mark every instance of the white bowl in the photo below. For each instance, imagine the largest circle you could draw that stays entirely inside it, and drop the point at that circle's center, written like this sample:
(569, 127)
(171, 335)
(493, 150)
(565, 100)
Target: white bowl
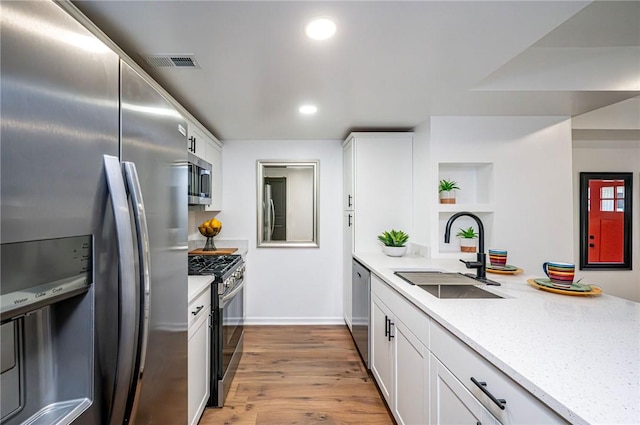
(394, 251)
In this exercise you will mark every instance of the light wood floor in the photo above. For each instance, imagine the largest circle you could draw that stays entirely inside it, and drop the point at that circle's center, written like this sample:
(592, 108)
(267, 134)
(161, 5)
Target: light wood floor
(300, 375)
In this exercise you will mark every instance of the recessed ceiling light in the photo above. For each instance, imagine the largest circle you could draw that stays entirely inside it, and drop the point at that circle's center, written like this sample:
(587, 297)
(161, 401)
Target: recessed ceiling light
(320, 29)
(308, 109)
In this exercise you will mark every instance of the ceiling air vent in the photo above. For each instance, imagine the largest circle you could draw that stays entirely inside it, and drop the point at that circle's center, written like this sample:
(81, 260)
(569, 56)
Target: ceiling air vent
(171, 61)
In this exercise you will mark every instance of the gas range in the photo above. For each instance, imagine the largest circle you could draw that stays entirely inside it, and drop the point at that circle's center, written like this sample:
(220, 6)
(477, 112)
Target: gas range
(227, 269)
(227, 318)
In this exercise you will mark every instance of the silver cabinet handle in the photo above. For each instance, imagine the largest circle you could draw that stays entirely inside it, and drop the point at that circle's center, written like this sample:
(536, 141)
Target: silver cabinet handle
(128, 326)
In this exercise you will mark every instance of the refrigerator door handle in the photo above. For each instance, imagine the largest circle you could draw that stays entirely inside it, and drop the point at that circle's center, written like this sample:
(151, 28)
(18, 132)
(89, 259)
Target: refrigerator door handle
(127, 323)
(144, 254)
(273, 218)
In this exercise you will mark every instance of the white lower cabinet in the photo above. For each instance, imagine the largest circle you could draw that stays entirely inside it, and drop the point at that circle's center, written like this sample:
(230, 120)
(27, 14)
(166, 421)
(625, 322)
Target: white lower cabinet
(425, 372)
(411, 374)
(451, 402)
(519, 406)
(400, 365)
(199, 348)
(382, 348)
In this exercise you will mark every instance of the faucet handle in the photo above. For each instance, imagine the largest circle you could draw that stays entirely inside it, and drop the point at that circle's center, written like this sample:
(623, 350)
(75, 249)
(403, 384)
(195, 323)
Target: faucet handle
(471, 264)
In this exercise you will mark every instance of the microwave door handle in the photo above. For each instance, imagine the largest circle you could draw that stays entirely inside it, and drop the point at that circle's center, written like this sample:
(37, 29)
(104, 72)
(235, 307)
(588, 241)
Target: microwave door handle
(205, 178)
(127, 325)
(144, 254)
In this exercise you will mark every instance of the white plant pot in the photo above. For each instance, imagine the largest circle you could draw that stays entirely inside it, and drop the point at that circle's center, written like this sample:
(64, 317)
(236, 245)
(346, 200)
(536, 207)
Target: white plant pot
(394, 251)
(448, 197)
(468, 244)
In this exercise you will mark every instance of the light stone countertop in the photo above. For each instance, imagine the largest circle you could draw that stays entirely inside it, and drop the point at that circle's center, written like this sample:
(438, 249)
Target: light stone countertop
(579, 355)
(197, 284)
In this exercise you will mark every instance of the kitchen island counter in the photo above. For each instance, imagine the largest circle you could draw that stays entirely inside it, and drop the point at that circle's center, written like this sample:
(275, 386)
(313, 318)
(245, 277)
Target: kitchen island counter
(580, 355)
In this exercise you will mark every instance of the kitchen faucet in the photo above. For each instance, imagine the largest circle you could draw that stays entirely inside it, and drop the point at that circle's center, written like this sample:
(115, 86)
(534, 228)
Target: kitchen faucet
(481, 260)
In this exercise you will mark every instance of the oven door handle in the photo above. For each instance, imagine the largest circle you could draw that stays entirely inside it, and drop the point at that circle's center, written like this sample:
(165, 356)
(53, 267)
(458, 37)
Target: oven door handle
(231, 294)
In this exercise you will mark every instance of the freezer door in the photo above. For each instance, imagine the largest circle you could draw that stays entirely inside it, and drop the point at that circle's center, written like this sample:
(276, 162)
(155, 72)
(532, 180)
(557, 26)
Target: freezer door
(59, 118)
(152, 140)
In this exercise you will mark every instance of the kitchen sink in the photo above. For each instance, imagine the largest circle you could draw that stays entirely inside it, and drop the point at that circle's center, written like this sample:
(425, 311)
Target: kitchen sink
(446, 285)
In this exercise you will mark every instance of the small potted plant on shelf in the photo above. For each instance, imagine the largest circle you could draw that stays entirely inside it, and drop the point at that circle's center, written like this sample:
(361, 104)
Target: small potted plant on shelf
(467, 239)
(446, 189)
(394, 242)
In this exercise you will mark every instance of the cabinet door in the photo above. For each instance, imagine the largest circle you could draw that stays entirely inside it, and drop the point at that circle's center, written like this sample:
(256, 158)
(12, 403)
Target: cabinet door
(196, 143)
(199, 348)
(348, 176)
(411, 371)
(451, 402)
(382, 347)
(383, 186)
(214, 156)
(346, 262)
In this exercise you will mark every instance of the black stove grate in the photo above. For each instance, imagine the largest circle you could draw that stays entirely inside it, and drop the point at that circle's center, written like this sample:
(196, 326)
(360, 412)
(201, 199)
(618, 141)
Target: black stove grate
(218, 265)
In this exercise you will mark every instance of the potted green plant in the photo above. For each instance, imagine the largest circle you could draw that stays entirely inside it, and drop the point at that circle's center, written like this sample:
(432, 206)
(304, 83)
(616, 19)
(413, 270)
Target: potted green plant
(446, 189)
(394, 242)
(467, 239)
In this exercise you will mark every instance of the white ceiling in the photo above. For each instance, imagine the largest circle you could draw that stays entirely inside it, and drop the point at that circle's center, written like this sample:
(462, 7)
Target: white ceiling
(391, 65)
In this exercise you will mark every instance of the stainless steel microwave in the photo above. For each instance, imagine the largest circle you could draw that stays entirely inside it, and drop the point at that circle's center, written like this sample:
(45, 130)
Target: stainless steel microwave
(199, 181)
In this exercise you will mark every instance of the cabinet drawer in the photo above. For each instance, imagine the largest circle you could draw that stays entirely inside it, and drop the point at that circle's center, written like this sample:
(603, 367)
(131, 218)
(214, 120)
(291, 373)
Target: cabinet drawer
(198, 306)
(403, 309)
(521, 407)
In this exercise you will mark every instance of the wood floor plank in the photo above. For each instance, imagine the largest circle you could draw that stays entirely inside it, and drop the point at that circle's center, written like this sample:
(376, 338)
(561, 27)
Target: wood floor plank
(300, 375)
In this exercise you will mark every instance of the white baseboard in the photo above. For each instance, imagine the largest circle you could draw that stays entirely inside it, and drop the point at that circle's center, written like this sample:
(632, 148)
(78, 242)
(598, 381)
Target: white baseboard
(294, 321)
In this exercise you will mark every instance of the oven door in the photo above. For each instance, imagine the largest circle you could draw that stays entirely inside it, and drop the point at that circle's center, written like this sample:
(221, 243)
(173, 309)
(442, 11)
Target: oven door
(231, 317)
(232, 314)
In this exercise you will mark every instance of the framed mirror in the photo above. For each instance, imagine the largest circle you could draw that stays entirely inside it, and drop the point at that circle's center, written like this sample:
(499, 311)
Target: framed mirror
(605, 221)
(287, 204)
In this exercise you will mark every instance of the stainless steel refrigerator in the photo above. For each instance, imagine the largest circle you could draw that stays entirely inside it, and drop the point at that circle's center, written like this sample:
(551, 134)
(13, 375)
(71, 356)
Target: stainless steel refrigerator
(93, 231)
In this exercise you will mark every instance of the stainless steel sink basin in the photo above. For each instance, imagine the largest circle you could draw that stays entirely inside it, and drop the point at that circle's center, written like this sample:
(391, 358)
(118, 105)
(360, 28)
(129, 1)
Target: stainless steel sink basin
(446, 285)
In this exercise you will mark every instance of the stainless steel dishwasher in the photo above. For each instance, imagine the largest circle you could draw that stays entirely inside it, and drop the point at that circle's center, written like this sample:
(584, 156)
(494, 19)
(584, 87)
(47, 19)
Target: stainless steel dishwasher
(360, 302)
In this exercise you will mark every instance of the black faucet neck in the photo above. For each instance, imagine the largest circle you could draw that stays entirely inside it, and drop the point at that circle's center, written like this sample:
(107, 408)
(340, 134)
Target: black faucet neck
(447, 230)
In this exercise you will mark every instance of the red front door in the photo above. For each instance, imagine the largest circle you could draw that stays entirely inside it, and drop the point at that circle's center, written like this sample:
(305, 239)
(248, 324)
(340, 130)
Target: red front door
(606, 221)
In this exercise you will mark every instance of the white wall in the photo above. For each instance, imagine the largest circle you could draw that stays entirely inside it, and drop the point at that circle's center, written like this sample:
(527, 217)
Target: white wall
(532, 181)
(591, 156)
(287, 285)
(421, 182)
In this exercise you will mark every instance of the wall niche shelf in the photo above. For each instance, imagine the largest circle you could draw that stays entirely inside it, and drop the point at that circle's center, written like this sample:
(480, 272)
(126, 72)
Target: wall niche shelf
(475, 180)
(454, 208)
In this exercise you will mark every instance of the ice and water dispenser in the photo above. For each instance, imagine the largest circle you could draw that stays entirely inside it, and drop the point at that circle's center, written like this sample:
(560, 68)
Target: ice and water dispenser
(46, 330)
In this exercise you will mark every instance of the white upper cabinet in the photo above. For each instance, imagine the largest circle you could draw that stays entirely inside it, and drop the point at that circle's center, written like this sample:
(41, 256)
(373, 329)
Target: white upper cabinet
(214, 156)
(378, 184)
(196, 141)
(348, 188)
